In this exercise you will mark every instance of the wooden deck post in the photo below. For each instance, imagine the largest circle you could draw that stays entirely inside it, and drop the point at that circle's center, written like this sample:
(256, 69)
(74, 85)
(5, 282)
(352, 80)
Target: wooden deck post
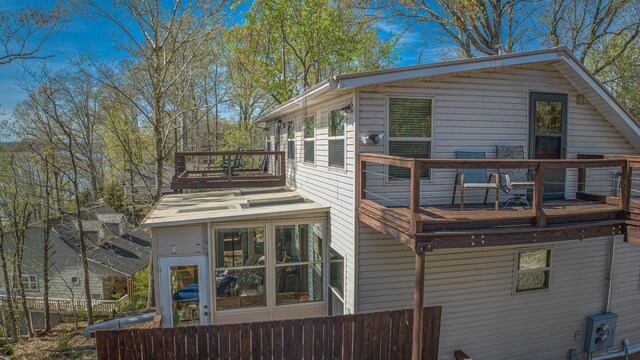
(414, 205)
(418, 303)
(538, 195)
(229, 168)
(625, 187)
(362, 185)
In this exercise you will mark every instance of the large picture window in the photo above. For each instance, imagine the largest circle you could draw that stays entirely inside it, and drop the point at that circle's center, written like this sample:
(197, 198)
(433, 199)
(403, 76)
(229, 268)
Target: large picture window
(410, 133)
(268, 266)
(298, 266)
(533, 268)
(337, 123)
(309, 138)
(291, 140)
(240, 268)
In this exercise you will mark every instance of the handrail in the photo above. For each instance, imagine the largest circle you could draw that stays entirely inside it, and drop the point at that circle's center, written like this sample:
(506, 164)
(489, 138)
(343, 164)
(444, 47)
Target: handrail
(493, 163)
(230, 152)
(228, 177)
(537, 165)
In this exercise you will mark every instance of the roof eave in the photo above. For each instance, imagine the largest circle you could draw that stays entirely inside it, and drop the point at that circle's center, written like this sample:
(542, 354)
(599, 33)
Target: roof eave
(447, 67)
(316, 90)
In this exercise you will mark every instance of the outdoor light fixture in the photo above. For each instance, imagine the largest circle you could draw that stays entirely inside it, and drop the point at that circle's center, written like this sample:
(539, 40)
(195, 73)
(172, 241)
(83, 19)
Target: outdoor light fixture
(279, 124)
(373, 139)
(580, 99)
(346, 110)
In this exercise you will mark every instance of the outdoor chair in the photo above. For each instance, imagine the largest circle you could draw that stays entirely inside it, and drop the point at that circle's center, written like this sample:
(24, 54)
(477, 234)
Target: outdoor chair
(235, 164)
(514, 182)
(474, 179)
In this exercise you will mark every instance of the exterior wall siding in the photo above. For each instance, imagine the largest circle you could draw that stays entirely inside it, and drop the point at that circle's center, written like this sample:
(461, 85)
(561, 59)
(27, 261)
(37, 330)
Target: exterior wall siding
(65, 264)
(476, 111)
(325, 185)
(480, 314)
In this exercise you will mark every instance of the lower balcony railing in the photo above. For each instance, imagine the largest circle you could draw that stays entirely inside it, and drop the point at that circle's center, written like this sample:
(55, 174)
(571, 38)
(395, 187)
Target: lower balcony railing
(437, 203)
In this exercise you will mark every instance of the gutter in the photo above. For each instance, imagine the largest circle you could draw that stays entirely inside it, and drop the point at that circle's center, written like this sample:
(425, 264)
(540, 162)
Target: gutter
(318, 89)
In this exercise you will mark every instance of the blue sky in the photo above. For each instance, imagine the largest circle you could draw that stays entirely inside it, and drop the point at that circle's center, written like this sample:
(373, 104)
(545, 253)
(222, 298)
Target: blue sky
(95, 35)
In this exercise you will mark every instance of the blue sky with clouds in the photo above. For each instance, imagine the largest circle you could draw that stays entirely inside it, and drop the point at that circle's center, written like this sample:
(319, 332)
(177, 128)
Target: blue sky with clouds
(95, 35)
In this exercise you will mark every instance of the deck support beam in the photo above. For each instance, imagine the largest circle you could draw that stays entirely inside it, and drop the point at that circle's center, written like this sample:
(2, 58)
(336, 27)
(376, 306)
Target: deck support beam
(418, 301)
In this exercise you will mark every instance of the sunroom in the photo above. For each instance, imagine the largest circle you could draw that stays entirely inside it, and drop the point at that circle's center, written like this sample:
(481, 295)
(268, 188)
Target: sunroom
(241, 256)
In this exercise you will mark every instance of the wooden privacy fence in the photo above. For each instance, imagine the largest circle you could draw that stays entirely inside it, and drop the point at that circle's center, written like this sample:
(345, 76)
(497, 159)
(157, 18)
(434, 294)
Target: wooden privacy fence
(380, 335)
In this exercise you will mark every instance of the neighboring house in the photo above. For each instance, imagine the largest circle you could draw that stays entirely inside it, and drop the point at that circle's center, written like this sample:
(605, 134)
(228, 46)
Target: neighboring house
(116, 251)
(370, 169)
(140, 182)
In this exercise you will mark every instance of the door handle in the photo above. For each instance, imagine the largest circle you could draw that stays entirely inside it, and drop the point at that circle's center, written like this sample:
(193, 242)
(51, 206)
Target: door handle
(206, 313)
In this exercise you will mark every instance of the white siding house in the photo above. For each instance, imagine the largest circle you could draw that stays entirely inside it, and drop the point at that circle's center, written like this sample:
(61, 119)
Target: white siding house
(471, 105)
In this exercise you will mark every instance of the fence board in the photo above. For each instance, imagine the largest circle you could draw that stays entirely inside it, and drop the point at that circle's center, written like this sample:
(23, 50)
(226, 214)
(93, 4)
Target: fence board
(382, 335)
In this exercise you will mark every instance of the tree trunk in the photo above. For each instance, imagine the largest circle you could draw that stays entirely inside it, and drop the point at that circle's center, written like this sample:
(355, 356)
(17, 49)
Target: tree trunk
(18, 276)
(151, 299)
(45, 260)
(13, 320)
(83, 244)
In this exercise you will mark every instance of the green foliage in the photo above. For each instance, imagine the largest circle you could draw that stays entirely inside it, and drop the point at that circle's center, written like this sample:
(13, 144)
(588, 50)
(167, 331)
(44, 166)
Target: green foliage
(114, 196)
(300, 43)
(141, 285)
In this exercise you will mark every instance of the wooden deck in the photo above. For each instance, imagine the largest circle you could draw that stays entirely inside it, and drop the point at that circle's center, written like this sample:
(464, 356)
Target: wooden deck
(429, 227)
(251, 168)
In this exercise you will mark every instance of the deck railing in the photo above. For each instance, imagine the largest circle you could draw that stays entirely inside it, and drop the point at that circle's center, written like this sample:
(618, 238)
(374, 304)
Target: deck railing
(105, 307)
(376, 198)
(228, 169)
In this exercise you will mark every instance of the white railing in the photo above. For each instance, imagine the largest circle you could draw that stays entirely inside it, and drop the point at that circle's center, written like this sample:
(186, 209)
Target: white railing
(67, 305)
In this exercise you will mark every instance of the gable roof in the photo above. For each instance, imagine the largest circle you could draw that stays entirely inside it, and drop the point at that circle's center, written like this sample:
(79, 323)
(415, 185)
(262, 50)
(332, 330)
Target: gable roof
(126, 254)
(593, 90)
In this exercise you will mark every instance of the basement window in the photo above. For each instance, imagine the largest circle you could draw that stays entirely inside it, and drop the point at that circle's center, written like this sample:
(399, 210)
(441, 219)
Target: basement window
(532, 270)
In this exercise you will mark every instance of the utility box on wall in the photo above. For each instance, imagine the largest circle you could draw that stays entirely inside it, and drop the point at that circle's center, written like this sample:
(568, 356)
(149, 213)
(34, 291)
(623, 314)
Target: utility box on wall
(601, 331)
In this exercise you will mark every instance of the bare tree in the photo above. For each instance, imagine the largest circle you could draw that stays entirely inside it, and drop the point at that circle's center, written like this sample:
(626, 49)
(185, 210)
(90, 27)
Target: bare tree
(24, 31)
(13, 320)
(476, 27)
(48, 109)
(600, 32)
(171, 39)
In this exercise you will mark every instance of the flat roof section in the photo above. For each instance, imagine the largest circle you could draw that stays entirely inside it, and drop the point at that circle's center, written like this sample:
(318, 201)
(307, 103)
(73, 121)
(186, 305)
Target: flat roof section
(229, 205)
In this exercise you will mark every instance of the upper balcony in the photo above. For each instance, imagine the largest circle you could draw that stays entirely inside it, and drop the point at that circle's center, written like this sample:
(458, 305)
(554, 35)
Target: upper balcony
(199, 170)
(418, 201)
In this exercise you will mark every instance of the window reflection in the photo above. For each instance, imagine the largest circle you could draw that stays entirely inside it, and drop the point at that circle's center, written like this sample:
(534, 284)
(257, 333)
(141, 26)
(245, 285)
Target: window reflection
(239, 247)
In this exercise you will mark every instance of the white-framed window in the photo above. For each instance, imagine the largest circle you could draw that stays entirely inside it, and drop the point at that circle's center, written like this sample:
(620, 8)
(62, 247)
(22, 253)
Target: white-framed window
(266, 267)
(337, 124)
(291, 140)
(30, 282)
(240, 267)
(532, 270)
(410, 129)
(309, 139)
(298, 263)
(336, 283)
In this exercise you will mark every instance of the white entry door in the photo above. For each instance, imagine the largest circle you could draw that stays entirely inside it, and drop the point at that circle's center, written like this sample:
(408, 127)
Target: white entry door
(184, 291)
